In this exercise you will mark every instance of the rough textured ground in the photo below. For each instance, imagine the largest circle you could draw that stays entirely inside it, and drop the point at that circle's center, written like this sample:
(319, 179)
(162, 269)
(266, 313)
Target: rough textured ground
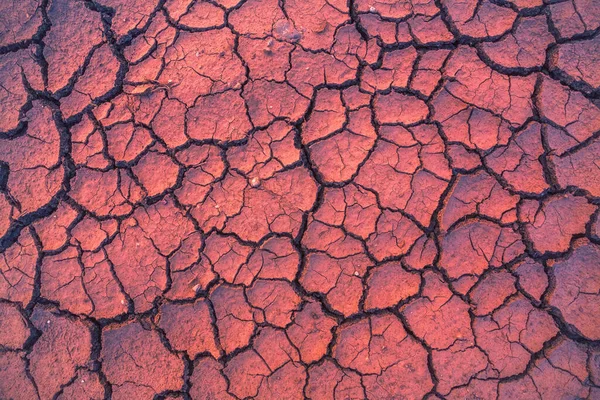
(299, 199)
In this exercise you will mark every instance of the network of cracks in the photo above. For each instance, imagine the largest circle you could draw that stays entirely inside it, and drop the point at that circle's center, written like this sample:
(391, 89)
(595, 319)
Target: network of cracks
(299, 199)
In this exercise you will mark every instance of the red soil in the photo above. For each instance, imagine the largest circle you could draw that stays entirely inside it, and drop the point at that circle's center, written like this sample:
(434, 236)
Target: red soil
(299, 199)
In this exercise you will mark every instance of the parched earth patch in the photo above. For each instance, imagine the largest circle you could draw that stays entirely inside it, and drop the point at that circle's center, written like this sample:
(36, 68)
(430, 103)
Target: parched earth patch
(292, 199)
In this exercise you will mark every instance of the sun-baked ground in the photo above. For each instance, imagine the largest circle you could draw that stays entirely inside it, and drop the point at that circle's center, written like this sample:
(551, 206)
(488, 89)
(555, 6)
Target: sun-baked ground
(299, 199)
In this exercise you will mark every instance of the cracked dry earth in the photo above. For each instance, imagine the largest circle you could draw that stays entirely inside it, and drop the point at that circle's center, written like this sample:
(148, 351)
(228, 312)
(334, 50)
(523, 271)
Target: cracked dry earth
(299, 199)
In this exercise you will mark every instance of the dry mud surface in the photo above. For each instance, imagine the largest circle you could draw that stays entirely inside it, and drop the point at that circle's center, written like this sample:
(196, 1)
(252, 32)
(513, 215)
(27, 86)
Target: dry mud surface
(299, 199)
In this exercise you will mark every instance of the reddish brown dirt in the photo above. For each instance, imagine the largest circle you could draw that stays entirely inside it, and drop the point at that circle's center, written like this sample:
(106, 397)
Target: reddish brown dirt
(299, 199)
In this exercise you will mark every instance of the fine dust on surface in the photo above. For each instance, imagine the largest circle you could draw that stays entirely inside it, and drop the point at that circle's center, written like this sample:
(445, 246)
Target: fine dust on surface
(299, 199)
